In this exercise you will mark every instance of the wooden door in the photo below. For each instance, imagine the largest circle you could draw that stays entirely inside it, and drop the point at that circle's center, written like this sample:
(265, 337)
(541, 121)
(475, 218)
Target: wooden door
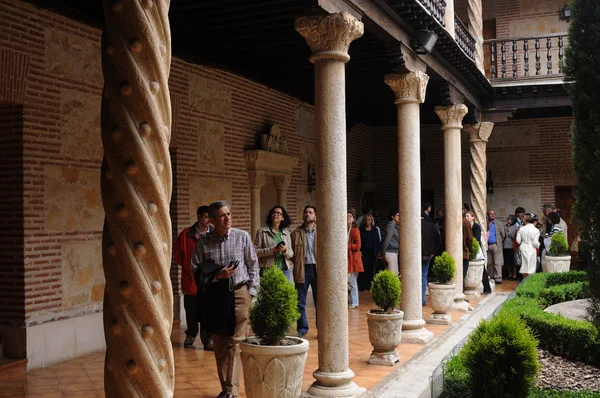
(565, 199)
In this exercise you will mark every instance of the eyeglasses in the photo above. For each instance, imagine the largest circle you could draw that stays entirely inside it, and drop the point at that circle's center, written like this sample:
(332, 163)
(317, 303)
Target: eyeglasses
(277, 213)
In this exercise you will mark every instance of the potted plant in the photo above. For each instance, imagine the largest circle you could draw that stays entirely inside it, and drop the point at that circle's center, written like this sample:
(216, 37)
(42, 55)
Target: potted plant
(441, 292)
(558, 259)
(474, 272)
(385, 323)
(273, 363)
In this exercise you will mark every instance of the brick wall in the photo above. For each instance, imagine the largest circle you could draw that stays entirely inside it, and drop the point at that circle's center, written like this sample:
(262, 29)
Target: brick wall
(12, 293)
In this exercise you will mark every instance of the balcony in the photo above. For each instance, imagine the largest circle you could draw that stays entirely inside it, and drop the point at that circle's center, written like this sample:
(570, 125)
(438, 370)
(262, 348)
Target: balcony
(526, 60)
(465, 41)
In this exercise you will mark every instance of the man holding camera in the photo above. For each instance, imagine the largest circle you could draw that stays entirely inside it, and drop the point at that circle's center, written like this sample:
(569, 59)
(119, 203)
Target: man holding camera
(231, 247)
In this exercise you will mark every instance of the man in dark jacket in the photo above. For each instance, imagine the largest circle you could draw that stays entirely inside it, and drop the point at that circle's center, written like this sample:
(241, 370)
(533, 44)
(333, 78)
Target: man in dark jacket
(430, 243)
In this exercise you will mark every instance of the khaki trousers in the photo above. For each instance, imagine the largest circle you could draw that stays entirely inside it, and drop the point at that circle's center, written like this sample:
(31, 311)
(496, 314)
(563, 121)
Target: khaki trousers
(227, 348)
(495, 260)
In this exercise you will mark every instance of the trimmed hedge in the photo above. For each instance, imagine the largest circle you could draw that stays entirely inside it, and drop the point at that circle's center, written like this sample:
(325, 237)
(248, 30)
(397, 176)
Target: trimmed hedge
(561, 293)
(562, 278)
(532, 285)
(545, 393)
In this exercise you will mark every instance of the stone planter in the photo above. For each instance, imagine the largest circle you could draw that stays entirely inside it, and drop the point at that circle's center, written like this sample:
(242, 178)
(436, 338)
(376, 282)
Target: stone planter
(441, 297)
(384, 334)
(274, 371)
(556, 263)
(474, 277)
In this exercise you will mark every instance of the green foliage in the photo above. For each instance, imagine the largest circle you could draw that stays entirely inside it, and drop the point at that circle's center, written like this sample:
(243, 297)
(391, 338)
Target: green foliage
(443, 268)
(581, 74)
(561, 293)
(386, 290)
(501, 358)
(474, 249)
(559, 245)
(532, 286)
(545, 393)
(562, 278)
(457, 383)
(275, 309)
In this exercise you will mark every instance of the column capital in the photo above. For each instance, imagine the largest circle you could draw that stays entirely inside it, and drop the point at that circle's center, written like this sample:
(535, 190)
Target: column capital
(283, 182)
(451, 115)
(409, 87)
(329, 36)
(479, 132)
(257, 179)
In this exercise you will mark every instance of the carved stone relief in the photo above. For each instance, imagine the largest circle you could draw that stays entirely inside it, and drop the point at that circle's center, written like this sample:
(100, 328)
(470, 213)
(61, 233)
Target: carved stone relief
(204, 191)
(209, 96)
(82, 273)
(80, 125)
(72, 56)
(274, 141)
(211, 145)
(329, 32)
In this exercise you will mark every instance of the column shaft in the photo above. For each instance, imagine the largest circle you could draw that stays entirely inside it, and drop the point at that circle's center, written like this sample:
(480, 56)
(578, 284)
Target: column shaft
(449, 18)
(255, 221)
(329, 38)
(476, 30)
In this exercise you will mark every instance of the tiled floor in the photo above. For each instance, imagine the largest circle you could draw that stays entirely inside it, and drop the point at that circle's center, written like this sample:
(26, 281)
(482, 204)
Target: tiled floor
(195, 371)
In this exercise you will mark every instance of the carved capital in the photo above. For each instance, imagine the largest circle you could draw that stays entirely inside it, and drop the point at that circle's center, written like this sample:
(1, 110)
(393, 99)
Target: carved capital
(330, 33)
(257, 179)
(479, 132)
(409, 87)
(451, 115)
(283, 182)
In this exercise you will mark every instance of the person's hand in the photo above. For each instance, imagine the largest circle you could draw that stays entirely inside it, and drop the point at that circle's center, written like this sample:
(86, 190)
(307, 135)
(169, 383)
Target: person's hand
(279, 249)
(226, 272)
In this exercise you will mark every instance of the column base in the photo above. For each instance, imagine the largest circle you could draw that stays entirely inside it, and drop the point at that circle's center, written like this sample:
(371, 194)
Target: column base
(389, 358)
(328, 385)
(461, 305)
(440, 319)
(472, 294)
(413, 332)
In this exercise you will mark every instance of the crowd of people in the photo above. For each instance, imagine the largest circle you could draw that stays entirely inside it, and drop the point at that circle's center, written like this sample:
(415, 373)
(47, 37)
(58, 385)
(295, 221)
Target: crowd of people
(221, 266)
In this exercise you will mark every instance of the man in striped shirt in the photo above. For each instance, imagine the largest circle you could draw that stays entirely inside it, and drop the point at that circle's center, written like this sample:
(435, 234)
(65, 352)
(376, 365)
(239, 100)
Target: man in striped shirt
(225, 245)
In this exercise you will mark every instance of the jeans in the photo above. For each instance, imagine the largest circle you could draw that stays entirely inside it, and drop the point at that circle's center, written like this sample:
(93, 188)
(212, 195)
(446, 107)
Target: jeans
(191, 318)
(352, 282)
(286, 272)
(424, 272)
(310, 279)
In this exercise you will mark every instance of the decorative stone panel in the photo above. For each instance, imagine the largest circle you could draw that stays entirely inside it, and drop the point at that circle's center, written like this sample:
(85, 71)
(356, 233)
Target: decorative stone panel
(211, 145)
(506, 199)
(72, 200)
(511, 136)
(536, 7)
(538, 25)
(82, 273)
(80, 125)
(209, 96)
(509, 169)
(72, 56)
(204, 191)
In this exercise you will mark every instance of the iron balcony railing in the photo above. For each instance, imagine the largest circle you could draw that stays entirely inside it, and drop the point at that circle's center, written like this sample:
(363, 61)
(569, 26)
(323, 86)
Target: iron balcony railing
(465, 41)
(527, 56)
(437, 8)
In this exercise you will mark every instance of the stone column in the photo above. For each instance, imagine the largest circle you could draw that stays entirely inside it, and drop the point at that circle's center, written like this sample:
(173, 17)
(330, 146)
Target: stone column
(449, 18)
(257, 181)
(479, 134)
(476, 30)
(409, 89)
(329, 37)
(451, 117)
(283, 184)
(136, 190)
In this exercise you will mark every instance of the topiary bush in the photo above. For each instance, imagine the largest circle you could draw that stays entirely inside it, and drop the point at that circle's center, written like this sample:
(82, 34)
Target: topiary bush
(386, 290)
(501, 358)
(474, 250)
(532, 286)
(559, 245)
(562, 278)
(561, 293)
(275, 309)
(443, 268)
(457, 383)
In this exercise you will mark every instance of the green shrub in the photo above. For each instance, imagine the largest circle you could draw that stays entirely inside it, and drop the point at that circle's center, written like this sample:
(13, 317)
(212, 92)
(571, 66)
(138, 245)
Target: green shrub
(559, 245)
(501, 358)
(532, 285)
(275, 309)
(474, 250)
(561, 293)
(562, 278)
(443, 268)
(386, 290)
(457, 383)
(545, 393)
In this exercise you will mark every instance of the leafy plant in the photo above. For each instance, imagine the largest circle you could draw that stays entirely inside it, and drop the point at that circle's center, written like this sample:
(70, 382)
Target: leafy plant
(501, 358)
(562, 278)
(275, 309)
(443, 268)
(386, 290)
(457, 383)
(559, 245)
(583, 83)
(474, 250)
(561, 293)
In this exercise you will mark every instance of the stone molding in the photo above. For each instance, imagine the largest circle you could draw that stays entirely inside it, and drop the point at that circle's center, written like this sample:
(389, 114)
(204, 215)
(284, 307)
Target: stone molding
(330, 33)
(408, 87)
(136, 186)
(14, 67)
(257, 179)
(270, 162)
(451, 115)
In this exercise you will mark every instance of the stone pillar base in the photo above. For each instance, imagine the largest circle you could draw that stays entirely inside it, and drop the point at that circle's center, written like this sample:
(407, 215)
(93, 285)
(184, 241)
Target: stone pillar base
(472, 294)
(440, 319)
(418, 335)
(388, 358)
(462, 305)
(331, 384)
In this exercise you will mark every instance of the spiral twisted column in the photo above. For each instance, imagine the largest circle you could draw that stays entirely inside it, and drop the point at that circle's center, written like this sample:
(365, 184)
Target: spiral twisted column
(409, 89)
(479, 134)
(451, 117)
(329, 37)
(475, 15)
(136, 190)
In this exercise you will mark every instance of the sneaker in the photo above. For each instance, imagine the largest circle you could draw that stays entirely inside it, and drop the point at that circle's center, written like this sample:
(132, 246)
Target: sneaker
(209, 346)
(301, 334)
(498, 281)
(189, 342)
(352, 306)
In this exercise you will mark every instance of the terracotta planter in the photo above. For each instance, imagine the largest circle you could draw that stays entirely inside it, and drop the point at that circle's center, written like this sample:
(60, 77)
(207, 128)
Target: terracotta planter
(441, 297)
(274, 371)
(384, 334)
(474, 277)
(556, 263)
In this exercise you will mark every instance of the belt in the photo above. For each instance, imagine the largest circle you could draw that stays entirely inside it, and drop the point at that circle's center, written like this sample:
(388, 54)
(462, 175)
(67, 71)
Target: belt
(310, 265)
(241, 285)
